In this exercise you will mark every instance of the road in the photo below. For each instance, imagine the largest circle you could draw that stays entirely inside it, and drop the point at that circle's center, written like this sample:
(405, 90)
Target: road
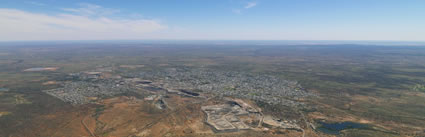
(306, 123)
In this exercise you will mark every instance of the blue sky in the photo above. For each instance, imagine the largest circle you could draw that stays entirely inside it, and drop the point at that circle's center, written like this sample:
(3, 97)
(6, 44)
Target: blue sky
(398, 20)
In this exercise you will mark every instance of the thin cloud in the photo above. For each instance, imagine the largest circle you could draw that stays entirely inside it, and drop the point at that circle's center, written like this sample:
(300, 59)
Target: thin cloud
(88, 9)
(250, 5)
(35, 3)
(22, 25)
(237, 11)
(246, 7)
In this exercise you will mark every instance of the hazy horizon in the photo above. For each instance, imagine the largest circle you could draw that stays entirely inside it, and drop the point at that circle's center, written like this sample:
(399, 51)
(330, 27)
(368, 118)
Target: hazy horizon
(224, 42)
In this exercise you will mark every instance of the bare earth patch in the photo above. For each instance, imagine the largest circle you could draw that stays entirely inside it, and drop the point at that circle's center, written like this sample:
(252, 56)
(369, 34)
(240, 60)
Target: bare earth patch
(4, 113)
(41, 69)
(50, 83)
(132, 66)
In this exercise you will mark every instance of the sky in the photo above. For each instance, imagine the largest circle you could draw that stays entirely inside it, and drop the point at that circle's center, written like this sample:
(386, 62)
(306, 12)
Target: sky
(393, 20)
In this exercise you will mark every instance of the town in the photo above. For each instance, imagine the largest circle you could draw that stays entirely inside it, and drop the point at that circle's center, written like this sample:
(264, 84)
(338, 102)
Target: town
(265, 88)
(229, 114)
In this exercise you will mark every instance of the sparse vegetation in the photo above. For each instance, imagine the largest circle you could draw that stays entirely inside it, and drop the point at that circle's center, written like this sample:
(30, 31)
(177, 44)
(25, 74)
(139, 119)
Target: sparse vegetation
(371, 81)
(419, 88)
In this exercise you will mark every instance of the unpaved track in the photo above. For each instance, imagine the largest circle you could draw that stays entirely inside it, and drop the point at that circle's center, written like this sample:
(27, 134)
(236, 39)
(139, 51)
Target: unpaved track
(306, 123)
(149, 125)
(62, 126)
(87, 128)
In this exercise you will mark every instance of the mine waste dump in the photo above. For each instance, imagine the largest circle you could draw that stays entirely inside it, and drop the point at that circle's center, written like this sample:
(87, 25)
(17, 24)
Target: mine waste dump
(190, 93)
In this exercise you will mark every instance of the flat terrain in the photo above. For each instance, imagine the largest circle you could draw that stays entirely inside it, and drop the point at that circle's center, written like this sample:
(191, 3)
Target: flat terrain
(378, 86)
